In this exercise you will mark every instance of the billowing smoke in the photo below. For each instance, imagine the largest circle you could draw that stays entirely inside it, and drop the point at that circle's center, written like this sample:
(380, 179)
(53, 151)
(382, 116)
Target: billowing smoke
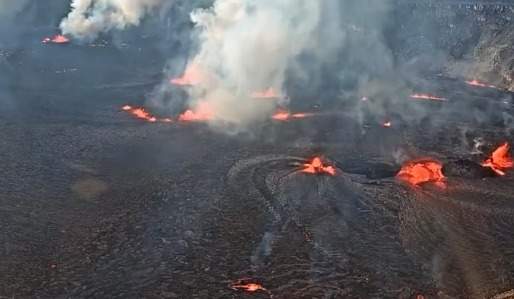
(247, 46)
(88, 18)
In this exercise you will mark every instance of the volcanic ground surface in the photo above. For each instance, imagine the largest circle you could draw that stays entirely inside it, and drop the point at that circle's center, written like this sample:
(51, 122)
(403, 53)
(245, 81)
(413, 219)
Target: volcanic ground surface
(97, 204)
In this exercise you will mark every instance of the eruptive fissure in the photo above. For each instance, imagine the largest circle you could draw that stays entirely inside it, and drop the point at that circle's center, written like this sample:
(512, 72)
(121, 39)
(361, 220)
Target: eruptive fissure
(423, 96)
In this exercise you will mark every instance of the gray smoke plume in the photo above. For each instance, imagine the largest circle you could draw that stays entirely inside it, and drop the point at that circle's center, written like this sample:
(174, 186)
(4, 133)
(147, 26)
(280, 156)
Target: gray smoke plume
(88, 18)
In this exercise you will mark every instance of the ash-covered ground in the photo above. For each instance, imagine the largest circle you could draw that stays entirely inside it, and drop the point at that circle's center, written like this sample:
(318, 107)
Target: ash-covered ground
(97, 204)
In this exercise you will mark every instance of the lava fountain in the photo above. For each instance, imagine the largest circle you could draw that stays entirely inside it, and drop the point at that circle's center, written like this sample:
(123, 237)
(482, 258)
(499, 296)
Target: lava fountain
(500, 160)
(316, 166)
(421, 171)
(56, 39)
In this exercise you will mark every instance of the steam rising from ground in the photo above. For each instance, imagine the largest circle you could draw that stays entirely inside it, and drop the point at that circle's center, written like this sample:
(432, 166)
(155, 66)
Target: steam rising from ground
(247, 46)
(88, 18)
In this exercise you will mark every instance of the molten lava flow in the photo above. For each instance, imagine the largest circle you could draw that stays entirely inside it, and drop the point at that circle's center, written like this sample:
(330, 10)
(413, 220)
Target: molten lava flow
(422, 96)
(141, 113)
(475, 82)
(56, 39)
(421, 171)
(190, 77)
(202, 112)
(267, 94)
(316, 167)
(282, 115)
(500, 160)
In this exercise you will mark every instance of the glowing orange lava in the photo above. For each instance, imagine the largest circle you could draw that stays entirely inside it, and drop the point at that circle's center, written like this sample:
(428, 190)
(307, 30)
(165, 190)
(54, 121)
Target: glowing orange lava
(56, 39)
(423, 96)
(202, 112)
(500, 160)
(267, 94)
(282, 115)
(191, 76)
(316, 167)
(141, 113)
(475, 82)
(421, 171)
(251, 287)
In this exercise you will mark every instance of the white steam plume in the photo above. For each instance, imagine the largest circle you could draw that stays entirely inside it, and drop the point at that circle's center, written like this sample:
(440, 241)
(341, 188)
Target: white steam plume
(88, 18)
(247, 46)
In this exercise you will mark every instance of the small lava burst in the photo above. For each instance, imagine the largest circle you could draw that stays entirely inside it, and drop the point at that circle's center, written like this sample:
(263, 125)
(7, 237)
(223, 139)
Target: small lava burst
(266, 94)
(477, 83)
(387, 124)
(421, 171)
(202, 112)
(282, 115)
(500, 160)
(316, 167)
(423, 96)
(250, 287)
(56, 39)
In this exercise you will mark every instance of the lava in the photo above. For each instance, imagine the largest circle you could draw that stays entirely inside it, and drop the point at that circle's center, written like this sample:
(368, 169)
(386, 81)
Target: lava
(421, 171)
(282, 115)
(248, 287)
(316, 167)
(56, 39)
(267, 94)
(141, 113)
(475, 82)
(202, 112)
(423, 96)
(190, 77)
(500, 160)
(387, 124)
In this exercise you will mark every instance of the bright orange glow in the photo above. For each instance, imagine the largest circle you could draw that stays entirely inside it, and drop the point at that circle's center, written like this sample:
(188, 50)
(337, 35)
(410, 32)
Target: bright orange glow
(422, 96)
(248, 287)
(141, 113)
(191, 76)
(421, 171)
(266, 94)
(316, 167)
(282, 115)
(202, 112)
(500, 160)
(475, 82)
(56, 39)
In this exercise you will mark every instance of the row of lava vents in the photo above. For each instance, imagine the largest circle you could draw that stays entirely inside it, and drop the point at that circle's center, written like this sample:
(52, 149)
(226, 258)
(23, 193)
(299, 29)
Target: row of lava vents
(415, 172)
